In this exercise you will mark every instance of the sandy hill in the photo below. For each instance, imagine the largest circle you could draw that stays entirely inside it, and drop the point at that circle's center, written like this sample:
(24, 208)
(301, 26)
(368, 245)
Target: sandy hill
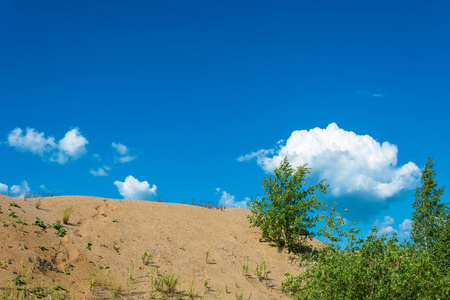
(206, 248)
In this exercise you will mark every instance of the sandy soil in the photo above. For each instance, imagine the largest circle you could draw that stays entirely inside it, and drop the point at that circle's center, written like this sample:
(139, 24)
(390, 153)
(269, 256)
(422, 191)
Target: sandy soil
(177, 236)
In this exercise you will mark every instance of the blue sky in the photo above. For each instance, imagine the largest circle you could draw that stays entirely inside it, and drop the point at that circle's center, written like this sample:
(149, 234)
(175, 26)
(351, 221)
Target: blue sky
(194, 97)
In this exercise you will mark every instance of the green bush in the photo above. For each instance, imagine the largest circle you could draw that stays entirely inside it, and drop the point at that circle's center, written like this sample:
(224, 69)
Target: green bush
(370, 268)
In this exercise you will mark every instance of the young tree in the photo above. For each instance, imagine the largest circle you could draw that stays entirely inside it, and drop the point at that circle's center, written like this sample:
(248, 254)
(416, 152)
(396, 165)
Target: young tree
(429, 213)
(287, 212)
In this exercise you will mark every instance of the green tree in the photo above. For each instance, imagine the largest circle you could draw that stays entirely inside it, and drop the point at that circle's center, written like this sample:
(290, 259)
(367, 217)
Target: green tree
(429, 213)
(287, 213)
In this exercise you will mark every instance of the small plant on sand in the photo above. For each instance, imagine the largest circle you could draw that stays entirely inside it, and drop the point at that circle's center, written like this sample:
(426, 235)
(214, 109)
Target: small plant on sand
(191, 291)
(37, 203)
(156, 281)
(59, 228)
(239, 296)
(14, 204)
(206, 285)
(64, 215)
(11, 214)
(89, 246)
(117, 291)
(207, 255)
(261, 271)
(245, 268)
(40, 223)
(115, 247)
(130, 275)
(170, 281)
(146, 258)
(18, 280)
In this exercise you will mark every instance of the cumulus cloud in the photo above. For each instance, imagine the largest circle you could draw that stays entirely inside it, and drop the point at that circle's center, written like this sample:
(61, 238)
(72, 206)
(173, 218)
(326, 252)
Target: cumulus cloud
(132, 188)
(72, 146)
(229, 201)
(354, 165)
(100, 171)
(16, 190)
(123, 153)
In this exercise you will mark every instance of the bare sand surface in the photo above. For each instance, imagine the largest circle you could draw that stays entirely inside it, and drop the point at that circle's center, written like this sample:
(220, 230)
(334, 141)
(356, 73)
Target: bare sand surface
(206, 248)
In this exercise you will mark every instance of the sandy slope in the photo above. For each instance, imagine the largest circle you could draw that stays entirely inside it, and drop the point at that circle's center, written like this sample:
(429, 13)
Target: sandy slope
(177, 236)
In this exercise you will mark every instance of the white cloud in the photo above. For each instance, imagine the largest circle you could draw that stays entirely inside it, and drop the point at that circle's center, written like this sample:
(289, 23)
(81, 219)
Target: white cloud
(16, 190)
(405, 228)
(96, 157)
(123, 151)
(100, 171)
(228, 200)
(72, 146)
(126, 158)
(353, 165)
(32, 141)
(385, 226)
(132, 188)
(3, 188)
(406, 225)
(120, 148)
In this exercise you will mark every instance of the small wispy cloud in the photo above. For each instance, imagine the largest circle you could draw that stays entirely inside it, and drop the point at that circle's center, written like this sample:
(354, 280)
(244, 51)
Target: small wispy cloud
(71, 146)
(123, 155)
(100, 171)
(371, 94)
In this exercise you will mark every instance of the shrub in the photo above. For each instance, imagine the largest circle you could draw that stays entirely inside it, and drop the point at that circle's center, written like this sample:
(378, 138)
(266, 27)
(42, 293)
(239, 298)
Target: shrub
(370, 268)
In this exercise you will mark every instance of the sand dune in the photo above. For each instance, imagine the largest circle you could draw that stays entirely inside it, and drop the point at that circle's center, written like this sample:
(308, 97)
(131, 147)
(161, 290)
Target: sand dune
(177, 237)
